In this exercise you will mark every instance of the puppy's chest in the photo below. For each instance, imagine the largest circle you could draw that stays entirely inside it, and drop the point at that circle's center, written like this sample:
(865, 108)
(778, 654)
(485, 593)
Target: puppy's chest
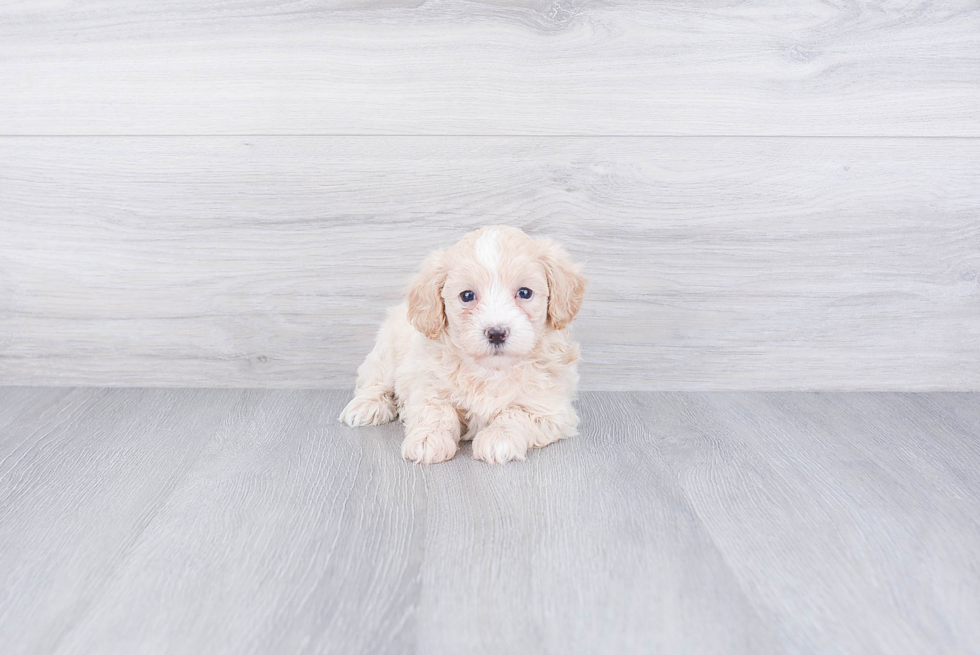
(484, 396)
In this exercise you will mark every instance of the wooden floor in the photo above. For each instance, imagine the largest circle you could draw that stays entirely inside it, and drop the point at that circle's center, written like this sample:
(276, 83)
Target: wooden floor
(206, 521)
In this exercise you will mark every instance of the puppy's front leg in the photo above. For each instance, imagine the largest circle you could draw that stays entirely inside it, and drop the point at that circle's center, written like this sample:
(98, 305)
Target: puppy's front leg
(505, 438)
(509, 435)
(431, 433)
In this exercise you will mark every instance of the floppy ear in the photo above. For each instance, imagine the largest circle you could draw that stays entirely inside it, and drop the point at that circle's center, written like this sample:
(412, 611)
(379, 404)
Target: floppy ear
(566, 286)
(425, 307)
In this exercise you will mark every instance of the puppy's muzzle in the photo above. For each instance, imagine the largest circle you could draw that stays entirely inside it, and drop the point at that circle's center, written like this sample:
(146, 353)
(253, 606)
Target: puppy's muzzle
(497, 335)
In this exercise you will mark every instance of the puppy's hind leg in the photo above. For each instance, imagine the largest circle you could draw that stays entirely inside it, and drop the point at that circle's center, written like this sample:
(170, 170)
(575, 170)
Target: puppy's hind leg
(374, 394)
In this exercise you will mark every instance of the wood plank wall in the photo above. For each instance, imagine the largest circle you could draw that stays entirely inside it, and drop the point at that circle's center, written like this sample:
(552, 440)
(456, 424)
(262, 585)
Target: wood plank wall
(765, 195)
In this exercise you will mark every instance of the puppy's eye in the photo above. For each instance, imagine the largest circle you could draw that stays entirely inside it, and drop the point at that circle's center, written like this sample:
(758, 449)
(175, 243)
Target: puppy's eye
(467, 296)
(524, 293)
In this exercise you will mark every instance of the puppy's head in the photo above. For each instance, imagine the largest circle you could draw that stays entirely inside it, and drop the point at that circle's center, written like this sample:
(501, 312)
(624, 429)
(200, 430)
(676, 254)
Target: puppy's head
(494, 293)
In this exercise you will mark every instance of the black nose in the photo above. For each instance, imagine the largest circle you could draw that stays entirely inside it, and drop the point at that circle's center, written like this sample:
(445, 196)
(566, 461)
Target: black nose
(497, 335)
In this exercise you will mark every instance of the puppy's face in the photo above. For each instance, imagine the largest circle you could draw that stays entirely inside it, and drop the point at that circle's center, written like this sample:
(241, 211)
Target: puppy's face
(496, 297)
(494, 293)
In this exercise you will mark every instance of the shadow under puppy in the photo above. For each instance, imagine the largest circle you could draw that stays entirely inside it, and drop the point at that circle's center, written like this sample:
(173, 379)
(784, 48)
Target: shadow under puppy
(479, 350)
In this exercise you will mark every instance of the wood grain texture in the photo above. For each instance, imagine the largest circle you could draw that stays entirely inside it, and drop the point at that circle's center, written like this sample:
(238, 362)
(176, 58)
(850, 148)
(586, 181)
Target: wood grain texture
(714, 262)
(883, 486)
(289, 534)
(82, 475)
(504, 67)
(592, 548)
(188, 521)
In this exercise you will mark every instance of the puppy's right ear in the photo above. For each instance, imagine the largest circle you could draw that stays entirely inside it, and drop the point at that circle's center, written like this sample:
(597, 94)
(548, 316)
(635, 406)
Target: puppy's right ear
(426, 310)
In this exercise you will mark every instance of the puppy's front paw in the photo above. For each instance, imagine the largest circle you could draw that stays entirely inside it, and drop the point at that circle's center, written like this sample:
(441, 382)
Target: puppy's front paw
(498, 446)
(428, 447)
(369, 410)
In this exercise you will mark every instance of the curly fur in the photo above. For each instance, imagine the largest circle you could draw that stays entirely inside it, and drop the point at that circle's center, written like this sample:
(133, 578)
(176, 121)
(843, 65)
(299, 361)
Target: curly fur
(434, 366)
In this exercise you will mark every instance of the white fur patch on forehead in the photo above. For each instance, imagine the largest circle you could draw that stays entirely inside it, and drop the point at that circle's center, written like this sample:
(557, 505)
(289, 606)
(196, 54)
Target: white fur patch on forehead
(487, 251)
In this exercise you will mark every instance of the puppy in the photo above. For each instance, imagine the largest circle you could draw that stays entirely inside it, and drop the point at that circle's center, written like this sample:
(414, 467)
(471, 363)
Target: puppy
(479, 351)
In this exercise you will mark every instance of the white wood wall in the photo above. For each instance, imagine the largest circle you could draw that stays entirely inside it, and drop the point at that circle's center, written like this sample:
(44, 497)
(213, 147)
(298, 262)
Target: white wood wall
(766, 195)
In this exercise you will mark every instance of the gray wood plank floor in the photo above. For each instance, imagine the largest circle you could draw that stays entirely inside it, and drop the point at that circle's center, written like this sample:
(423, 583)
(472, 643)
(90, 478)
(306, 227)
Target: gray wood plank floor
(204, 521)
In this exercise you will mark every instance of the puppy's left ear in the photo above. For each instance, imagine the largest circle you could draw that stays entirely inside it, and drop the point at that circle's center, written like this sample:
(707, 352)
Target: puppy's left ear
(426, 311)
(566, 285)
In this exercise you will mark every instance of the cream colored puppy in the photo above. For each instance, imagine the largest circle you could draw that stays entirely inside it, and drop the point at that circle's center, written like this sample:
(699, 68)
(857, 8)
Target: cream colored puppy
(480, 351)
